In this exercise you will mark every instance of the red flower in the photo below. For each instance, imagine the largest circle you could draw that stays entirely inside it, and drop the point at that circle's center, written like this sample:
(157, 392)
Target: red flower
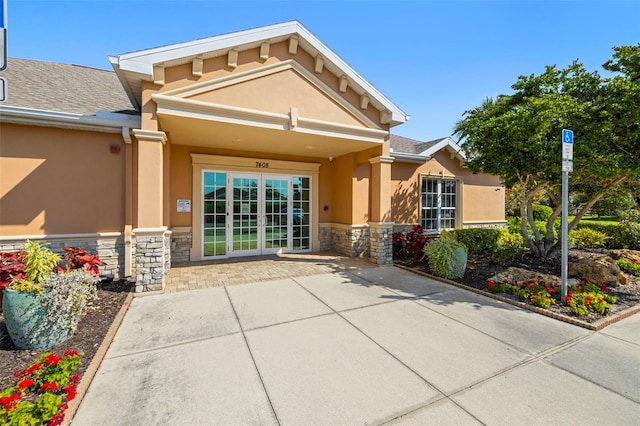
(10, 402)
(52, 359)
(71, 392)
(49, 385)
(551, 290)
(34, 367)
(75, 379)
(63, 406)
(23, 384)
(604, 288)
(568, 298)
(57, 419)
(70, 353)
(491, 284)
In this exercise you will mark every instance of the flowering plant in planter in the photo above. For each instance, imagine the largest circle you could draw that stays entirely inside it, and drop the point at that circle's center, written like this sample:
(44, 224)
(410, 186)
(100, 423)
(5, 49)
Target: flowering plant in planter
(43, 304)
(41, 395)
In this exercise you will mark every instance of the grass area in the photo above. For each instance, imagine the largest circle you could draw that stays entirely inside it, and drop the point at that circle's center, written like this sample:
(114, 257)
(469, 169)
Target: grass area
(608, 220)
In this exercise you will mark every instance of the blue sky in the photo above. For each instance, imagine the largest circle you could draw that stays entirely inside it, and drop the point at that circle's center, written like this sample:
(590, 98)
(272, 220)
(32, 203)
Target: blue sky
(433, 59)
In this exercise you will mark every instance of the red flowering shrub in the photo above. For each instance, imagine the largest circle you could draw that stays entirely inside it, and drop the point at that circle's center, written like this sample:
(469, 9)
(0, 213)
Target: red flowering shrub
(41, 395)
(410, 244)
(582, 299)
(77, 258)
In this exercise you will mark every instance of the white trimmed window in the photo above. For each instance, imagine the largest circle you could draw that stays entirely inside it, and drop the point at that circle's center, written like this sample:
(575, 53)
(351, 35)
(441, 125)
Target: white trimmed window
(439, 204)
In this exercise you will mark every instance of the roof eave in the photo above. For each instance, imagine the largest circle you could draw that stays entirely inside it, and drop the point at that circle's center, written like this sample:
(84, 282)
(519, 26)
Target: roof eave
(404, 157)
(142, 62)
(101, 122)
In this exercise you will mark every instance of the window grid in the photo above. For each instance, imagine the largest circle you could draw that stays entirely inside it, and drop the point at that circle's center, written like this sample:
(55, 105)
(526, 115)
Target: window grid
(214, 202)
(439, 204)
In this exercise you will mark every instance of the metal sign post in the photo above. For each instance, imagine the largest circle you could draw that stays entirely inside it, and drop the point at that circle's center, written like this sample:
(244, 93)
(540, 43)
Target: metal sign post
(3, 35)
(567, 166)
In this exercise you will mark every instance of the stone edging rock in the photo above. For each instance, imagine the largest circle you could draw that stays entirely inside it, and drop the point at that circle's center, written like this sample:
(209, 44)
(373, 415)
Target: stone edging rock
(92, 369)
(594, 326)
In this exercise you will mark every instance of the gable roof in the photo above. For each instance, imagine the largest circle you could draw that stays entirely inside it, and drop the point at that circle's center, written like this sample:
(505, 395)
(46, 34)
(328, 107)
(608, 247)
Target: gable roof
(411, 146)
(66, 88)
(134, 67)
(413, 150)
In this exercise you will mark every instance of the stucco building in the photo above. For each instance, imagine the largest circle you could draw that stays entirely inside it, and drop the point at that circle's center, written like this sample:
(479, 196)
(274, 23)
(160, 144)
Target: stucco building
(255, 142)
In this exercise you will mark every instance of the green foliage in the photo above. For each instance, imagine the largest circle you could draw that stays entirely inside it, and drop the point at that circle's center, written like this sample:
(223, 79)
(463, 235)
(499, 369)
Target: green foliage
(630, 216)
(581, 299)
(40, 397)
(538, 293)
(517, 136)
(629, 266)
(587, 238)
(65, 297)
(509, 244)
(625, 234)
(541, 213)
(588, 297)
(447, 257)
(477, 239)
(618, 200)
(39, 262)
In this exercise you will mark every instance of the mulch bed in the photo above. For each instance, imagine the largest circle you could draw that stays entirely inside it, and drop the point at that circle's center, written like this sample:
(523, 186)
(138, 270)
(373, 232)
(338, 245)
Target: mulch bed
(480, 269)
(92, 329)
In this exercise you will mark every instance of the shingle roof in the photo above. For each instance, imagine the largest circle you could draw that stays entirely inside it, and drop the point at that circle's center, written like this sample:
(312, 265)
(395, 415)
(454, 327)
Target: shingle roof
(411, 146)
(64, 88)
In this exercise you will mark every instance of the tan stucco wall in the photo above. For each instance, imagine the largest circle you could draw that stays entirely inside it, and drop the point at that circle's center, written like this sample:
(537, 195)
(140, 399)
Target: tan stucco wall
(278, 93)
(56, 181)
(213, 68)
(482, 196)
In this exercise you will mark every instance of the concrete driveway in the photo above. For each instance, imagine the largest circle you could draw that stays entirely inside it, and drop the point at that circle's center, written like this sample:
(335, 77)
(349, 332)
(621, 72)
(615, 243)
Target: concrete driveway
(366, 346)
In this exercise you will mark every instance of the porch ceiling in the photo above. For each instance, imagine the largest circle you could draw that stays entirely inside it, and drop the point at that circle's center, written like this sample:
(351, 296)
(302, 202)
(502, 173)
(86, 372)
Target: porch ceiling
(223, 135)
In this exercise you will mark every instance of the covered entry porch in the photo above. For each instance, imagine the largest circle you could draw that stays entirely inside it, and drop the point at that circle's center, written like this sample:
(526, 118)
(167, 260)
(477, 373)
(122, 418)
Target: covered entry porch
(258, 142)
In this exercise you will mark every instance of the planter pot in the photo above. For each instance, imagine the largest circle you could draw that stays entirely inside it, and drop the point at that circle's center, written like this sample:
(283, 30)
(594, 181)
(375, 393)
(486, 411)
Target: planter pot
(25, 316)
(459, 262)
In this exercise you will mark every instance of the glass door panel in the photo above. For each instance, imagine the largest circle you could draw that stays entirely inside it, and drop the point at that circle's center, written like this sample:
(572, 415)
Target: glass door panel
(276, 214)
(245, 214)
(214, 241)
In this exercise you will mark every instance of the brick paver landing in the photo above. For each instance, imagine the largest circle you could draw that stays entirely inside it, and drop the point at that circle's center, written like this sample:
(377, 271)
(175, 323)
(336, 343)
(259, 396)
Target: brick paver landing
(215, 273)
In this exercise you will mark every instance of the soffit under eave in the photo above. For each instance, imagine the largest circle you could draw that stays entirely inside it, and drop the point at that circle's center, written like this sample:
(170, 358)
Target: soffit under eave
(209, 112)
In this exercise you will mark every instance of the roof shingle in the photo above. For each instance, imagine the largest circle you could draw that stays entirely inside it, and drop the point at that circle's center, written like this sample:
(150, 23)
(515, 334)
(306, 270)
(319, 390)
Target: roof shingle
(64, 88)
(410, 146)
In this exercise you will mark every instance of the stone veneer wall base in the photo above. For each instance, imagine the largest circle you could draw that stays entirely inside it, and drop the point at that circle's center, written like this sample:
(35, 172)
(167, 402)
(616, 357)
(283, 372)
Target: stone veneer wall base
(110, 249)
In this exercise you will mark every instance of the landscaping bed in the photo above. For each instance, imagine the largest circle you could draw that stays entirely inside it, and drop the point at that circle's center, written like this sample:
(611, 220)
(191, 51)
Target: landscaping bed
(480, 269)
(93, 327)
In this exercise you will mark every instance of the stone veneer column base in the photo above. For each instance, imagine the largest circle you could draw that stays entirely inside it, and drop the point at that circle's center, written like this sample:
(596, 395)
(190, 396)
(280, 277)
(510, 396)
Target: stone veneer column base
(181, 240)
(152, 258)
(381, 243)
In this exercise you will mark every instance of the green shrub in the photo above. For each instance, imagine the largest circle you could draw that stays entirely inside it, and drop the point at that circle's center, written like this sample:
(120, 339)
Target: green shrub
(629, 266)
(618, 200)
(632, 215)
(445, 257)
(541, 213)
(477, 239)
(625, 234)
(587, 238)
(508, 245)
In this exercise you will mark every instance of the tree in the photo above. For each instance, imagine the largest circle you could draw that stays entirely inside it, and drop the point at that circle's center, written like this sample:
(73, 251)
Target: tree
(517, 137)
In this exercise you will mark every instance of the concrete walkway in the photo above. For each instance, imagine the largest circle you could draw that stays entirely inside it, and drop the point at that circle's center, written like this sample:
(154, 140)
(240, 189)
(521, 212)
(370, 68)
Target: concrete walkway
(359, 346)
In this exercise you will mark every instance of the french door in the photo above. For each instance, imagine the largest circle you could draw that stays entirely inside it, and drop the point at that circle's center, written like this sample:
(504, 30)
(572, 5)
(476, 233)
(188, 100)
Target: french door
(258, 214)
